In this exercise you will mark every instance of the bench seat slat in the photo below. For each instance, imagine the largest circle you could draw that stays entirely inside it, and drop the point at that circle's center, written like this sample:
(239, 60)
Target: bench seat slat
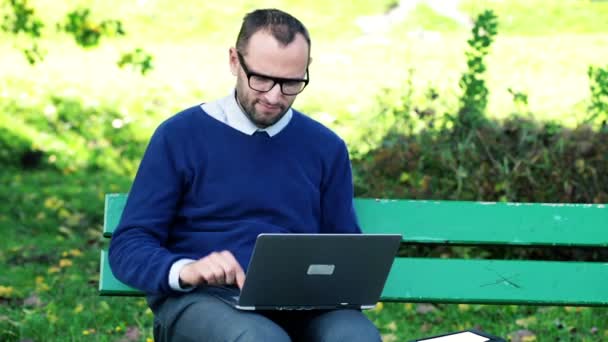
(497, 282)
(109, 285)
(476, 223)
(470, 281)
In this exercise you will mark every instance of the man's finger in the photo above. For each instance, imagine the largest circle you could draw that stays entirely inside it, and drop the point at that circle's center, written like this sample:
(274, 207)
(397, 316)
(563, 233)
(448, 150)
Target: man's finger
(237, 270)
(240, 278)
(212, 272)
(227, 265)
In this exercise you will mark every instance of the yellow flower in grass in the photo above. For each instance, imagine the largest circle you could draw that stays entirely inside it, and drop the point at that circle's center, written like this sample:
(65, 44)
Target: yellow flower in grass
(392, 326)
(6, 291)
(104, 306)
(63, 213)
(526, 322)
(75, 252)
(464, 307)
(88, 332)
(41, 286)
(65, 263)
(79, 308)
(149, 339)
(118, 328)
(52, 318)
(379, 306)
(50, 202)
(53, 269)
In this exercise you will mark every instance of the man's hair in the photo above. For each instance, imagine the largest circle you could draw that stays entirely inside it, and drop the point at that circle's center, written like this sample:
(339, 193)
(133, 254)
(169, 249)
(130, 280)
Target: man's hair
(283, 27)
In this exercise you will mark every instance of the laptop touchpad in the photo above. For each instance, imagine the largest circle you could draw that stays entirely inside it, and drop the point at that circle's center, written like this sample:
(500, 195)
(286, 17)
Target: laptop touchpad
(319, 269)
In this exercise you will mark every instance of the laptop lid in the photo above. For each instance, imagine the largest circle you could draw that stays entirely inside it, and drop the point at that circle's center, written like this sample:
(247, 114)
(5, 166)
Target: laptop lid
(318, 271)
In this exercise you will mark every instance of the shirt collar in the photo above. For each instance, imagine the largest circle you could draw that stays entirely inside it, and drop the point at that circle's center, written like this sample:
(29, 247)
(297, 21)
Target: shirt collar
(228, 111)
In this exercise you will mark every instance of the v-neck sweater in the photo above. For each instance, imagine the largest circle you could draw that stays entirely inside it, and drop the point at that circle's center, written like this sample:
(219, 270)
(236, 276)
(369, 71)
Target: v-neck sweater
(203, 186)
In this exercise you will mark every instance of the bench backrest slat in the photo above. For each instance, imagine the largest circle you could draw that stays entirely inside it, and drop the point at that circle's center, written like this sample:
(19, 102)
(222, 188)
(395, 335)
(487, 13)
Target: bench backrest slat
(456, 222)
(114, 205)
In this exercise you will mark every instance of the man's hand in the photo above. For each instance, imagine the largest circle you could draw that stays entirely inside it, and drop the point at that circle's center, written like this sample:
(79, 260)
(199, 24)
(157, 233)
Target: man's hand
(217, 268)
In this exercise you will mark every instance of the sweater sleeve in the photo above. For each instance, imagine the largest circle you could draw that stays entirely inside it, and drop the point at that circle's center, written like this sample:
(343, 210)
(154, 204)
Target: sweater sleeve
(137, 252)
(337, 210)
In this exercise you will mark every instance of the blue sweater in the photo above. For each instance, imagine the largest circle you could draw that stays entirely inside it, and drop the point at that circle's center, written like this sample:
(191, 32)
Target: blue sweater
(203, 186)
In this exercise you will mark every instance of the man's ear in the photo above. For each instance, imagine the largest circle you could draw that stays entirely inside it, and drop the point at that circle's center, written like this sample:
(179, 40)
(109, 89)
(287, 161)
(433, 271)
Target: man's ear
(233, 59)
(309, 61)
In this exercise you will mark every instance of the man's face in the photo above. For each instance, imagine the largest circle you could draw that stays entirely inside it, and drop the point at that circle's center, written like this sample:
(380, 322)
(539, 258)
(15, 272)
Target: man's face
(265, 56)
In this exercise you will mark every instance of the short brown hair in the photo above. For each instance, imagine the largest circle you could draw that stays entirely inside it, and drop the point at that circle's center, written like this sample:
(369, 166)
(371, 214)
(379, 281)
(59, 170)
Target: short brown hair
(283, 27)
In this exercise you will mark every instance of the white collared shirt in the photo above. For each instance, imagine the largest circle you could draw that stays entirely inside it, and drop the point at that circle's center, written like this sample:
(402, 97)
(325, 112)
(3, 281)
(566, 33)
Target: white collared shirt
(228, 111)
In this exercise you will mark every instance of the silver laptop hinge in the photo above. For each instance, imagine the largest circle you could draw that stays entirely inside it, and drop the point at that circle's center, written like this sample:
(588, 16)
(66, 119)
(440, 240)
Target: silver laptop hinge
(251, 308)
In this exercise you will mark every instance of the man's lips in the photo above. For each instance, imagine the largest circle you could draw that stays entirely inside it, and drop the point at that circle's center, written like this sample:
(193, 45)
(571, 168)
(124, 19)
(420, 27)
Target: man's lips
(269, 107)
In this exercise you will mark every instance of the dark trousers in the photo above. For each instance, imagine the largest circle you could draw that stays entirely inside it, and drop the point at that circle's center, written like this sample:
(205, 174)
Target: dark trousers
(201, 316)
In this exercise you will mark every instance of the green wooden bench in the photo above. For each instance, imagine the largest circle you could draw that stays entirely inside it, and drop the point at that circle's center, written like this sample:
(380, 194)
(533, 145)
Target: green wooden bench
(443, 280)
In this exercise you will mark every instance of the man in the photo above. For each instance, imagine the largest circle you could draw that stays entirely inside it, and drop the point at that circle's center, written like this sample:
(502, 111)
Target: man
(216, 175)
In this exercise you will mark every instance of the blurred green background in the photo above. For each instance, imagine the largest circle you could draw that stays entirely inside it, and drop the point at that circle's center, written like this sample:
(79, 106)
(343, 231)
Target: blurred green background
(386, 76)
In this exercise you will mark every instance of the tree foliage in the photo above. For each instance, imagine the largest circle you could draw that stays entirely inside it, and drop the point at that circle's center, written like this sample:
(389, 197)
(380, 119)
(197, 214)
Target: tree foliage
(20, 19)
(598, 79)
(88, 33)
(474, 99)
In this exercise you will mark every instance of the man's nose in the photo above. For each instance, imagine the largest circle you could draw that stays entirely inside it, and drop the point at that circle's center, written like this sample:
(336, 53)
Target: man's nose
(274, 94)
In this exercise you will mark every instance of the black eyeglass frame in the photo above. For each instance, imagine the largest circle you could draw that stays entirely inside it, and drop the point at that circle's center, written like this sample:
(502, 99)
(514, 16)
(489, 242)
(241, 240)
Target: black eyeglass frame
(275, 80)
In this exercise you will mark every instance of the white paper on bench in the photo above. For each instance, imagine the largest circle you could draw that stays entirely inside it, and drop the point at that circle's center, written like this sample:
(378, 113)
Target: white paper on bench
(466, 336)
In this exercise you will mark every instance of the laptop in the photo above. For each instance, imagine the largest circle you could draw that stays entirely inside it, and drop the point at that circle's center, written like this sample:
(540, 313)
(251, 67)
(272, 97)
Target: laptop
(315, 271)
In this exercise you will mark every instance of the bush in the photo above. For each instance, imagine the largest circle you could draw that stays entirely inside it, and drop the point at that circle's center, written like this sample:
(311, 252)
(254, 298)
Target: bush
(515, 160)
(67, 135)
(598, 79)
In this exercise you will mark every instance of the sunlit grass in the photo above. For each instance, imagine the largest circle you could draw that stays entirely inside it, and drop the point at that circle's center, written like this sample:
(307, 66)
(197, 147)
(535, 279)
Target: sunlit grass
(551, 70)
(545, 17)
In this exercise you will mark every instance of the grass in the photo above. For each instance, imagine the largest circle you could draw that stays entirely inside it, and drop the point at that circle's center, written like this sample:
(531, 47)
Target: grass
(50, 250)
(545, 17)
(51, 218)
(540, 323)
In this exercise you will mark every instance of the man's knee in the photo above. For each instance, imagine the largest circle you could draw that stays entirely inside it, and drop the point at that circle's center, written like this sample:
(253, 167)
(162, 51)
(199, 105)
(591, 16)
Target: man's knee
(261, 332)
(363, 331)
(238, 330)
(205, 318)
(344, 325)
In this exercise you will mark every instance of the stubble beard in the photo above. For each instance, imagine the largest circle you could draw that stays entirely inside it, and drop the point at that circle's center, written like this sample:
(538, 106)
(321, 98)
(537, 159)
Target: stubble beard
(258, 119)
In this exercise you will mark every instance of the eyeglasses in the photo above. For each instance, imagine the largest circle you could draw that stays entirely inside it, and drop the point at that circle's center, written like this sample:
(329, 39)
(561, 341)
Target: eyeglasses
(264, 83)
